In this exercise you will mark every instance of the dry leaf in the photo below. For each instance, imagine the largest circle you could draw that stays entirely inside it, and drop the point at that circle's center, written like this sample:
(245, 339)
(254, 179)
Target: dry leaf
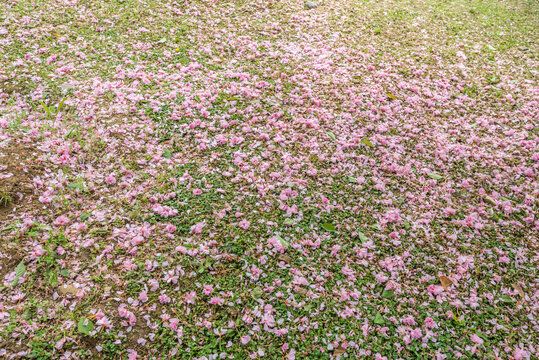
(339, 351)
(283, 257)
(446, 282)
(302, 291)
(68, 290)
(518, 288)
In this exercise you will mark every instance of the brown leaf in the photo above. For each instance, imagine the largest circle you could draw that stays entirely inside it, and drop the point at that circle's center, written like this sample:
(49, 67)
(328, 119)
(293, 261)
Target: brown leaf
(518, 288)
(446, 282)
(339, 351)
(283, 257)
(302, 291)
(68, 290)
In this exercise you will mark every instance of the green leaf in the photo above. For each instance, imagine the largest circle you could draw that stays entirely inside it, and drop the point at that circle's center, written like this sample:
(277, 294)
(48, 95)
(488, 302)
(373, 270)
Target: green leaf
(19, 272)
(289, 221)
(162, 40)
(435, 176)
(101, 231)
(367, 142)
(76, 186)
(388, 294)
(362, 237)
(283, 242)
(84, 216)
(406, 224)
(352, 179)
(459, 320)
(60, 105)
(20, 269)
(203, 266)
(329, 227)
(331, 135)
(257, 292)
(483, 336)
(379, 319)
(167, 154)
(64, 272)
(11, 226)
(391, 96)
(85, 326)
(47, 109)
(506, 298)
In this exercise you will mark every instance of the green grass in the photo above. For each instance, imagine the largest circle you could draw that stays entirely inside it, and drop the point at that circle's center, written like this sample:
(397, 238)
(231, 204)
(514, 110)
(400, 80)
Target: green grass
(5, 197)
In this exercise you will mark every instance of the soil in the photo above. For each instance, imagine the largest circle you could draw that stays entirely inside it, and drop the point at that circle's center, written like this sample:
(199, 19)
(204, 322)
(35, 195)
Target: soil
(21, 161)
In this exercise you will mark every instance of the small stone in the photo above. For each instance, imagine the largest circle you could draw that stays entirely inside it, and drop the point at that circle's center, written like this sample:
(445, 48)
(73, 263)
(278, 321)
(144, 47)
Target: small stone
(68, 290)
(309, 5)
(523, 48)
(490, 200)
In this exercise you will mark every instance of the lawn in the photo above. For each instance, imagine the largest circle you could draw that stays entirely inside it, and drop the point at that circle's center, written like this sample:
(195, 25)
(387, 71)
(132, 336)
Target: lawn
(207, 179)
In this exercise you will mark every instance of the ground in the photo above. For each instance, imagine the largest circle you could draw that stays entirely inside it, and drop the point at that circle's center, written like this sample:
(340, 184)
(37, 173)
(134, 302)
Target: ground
(265, 179)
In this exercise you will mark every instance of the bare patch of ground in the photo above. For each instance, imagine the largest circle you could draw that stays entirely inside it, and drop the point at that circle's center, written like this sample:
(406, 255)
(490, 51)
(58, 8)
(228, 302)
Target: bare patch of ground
(19, 165)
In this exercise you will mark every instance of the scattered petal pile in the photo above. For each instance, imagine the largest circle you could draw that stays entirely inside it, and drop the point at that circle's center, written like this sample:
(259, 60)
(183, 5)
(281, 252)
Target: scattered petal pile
(269, 179)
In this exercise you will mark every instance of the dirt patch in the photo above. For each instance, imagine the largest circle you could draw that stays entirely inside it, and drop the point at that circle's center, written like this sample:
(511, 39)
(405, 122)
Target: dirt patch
(13, 86)
(19, 165)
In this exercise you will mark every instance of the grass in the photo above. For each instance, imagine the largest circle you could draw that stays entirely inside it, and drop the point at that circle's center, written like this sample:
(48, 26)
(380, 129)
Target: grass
(312, 127)
(5, 198)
